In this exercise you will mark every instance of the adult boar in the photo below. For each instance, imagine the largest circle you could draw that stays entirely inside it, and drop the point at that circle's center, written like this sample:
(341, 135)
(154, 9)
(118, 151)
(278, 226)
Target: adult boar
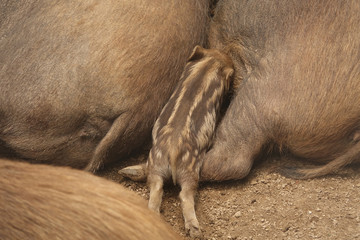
(81, 83)
(298, 84)
(47, 202)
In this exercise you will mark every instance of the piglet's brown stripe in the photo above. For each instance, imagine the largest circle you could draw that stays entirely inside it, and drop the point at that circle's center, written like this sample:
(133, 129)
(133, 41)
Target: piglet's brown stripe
(191, 93)
(181, 100)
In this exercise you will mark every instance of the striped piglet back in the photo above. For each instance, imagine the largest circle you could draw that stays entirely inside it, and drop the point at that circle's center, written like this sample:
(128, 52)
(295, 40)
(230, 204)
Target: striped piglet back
(186, 124)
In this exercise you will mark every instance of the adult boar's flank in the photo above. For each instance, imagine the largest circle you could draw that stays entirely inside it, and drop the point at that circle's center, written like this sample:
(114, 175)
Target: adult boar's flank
(297, 66)
(82, 83)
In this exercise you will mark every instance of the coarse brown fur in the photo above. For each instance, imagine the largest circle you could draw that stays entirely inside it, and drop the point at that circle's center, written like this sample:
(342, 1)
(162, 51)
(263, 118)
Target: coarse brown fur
(297, 65)
(47, 202)
(184, 130)
(81, 83)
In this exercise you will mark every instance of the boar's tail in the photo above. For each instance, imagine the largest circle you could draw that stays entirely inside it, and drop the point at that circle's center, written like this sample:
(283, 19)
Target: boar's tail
(304, 173)
(173, 155)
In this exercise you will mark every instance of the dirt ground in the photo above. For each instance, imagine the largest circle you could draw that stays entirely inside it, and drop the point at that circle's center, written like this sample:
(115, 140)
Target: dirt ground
(266, 205)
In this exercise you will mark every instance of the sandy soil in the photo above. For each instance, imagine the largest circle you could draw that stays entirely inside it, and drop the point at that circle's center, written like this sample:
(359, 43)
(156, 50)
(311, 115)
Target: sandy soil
(266, 205)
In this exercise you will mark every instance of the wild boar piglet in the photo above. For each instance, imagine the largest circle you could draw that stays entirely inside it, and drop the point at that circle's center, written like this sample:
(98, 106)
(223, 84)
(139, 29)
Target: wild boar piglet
(185, 127)
(184, 131)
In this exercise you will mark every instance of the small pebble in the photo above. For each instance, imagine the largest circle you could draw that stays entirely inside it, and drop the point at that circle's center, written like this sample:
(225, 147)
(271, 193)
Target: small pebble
(237, 214)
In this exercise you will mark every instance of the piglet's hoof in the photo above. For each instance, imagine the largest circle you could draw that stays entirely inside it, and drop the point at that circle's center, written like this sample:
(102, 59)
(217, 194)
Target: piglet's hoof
(193, 229)
(135, 173)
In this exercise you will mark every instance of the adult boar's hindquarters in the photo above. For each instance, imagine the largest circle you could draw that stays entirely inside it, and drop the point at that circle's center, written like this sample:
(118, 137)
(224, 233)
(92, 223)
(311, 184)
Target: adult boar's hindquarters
(86, 80)
(300, 61)
(47, 202)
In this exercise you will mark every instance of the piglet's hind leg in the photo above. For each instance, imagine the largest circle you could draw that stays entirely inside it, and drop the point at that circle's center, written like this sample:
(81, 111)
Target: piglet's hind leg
(187, 196)
(155, 183)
